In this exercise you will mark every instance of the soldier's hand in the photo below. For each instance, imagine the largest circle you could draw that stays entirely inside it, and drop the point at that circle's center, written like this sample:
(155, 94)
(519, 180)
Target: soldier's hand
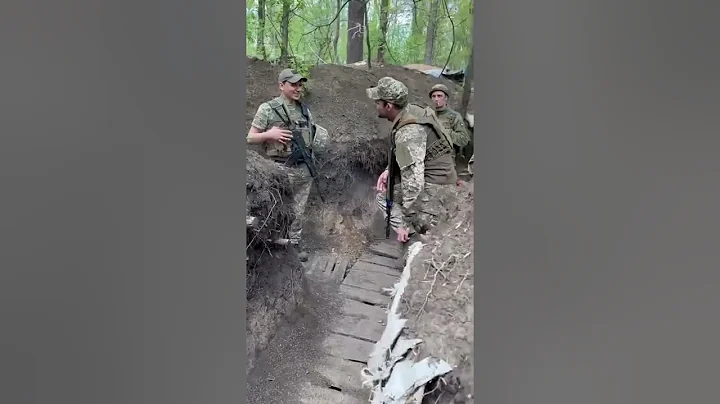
(382, 181)
(402, 235)
(279, 135)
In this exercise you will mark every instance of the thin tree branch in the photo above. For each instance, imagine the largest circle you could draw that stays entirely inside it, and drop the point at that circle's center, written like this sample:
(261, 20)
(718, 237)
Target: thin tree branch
(337, 15)
(452, 45)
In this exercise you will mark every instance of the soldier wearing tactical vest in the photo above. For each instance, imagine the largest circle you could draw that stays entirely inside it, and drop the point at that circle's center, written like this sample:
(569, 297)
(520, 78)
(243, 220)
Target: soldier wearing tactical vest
(451, 120)
(422, 157)
(273, 125)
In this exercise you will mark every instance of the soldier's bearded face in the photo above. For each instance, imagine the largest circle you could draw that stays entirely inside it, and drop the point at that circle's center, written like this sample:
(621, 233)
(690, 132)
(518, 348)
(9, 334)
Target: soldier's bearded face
(439, 99)
(382, 109)
(291, 90)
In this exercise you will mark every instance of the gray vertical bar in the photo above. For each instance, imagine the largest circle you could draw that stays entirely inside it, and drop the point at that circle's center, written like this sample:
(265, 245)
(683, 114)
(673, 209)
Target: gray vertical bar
(241, 133)
(122, 227)
(597, 177)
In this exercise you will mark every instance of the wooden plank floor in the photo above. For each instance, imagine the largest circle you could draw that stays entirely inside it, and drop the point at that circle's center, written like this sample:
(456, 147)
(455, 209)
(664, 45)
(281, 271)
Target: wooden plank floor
(352, 337)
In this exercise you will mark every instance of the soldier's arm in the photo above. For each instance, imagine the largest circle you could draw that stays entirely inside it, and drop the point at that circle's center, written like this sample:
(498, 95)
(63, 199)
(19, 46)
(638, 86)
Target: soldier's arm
(260, 125)
(460, 132)
(410, 155)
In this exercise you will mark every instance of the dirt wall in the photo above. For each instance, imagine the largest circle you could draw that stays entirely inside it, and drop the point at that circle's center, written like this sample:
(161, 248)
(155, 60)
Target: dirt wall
(273, 273)
(336, 97)
(439, 300)
(279, 291)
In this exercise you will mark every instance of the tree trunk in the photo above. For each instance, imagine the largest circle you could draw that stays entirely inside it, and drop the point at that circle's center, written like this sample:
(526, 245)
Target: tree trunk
(367, 35)
(469, 73)
(415, 28)
(467, 86)
(336, 34)
(431, 30)
(261, 30)
(384, 6)
(285, 33)
(356, 16)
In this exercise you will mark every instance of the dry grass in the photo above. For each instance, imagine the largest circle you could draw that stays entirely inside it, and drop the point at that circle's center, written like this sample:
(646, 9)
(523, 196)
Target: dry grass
(269, 196)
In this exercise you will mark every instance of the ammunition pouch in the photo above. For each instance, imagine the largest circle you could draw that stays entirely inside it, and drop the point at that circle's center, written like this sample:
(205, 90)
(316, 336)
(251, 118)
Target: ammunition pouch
(437, 149)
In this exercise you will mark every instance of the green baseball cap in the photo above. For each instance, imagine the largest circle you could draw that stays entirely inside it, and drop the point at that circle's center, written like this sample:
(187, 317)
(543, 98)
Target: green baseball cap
(290, 76)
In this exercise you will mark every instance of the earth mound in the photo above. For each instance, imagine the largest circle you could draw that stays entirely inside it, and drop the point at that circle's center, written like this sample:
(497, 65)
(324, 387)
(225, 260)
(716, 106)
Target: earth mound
(273, 273)
(336, 97)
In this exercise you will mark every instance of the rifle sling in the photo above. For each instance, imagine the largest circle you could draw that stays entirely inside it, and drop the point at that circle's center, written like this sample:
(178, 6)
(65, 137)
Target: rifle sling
(293, 159)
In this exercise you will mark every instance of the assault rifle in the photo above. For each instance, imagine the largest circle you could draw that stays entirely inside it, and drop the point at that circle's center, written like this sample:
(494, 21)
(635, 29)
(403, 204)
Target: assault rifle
(389, 196)
(301, 153)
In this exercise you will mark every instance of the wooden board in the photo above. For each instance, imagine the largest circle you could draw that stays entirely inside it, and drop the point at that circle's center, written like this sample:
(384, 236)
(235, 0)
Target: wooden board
(341, 373)
(359, 310)
(367, 329)
(376, 268)
(338, 273)
(370, 280)
(316, 266)
(380, 260)
(363, 295)
(386, 250)
(348, 348)
(329, 265)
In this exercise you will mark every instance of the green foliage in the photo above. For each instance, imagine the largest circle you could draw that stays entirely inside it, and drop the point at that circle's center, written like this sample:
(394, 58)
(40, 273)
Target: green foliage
(311, 30)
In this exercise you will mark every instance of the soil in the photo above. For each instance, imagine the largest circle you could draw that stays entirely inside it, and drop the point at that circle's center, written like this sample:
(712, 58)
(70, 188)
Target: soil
(278, 293)
(286, 364)
(336, 97)
(284, 318)
(273, 276)
(439, 301)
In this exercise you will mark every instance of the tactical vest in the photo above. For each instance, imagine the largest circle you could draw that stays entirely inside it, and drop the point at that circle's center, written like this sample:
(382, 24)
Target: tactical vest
(282, 119)
(446, 116)
(439, 159)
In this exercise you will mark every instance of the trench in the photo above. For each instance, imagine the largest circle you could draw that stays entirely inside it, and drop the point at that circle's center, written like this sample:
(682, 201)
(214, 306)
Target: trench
(287, 342)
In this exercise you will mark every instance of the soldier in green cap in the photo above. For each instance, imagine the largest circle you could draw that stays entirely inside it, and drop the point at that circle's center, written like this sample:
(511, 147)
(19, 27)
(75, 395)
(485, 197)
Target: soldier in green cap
(421, 158)
(273, 125)
(451, 120)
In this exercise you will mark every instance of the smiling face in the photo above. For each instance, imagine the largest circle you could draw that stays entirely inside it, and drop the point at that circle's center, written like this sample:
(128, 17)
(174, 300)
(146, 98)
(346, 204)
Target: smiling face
(439, 99)
(290, 90)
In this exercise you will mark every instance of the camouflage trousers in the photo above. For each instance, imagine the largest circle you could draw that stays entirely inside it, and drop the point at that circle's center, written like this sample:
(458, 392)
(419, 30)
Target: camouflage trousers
(301, 181)
(425, 212)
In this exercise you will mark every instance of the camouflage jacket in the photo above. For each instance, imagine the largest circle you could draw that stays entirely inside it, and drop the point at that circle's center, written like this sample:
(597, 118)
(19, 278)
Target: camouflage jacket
(412, 157)
(453, 122)
(286, 115)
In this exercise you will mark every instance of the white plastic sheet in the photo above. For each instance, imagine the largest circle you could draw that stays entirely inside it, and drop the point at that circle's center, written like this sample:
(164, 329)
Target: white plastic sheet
(389, 361)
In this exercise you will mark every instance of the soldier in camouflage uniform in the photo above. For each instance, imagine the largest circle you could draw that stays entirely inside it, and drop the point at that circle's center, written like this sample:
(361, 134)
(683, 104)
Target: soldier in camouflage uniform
(422, 159)
(451, 120)
(273, 125)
